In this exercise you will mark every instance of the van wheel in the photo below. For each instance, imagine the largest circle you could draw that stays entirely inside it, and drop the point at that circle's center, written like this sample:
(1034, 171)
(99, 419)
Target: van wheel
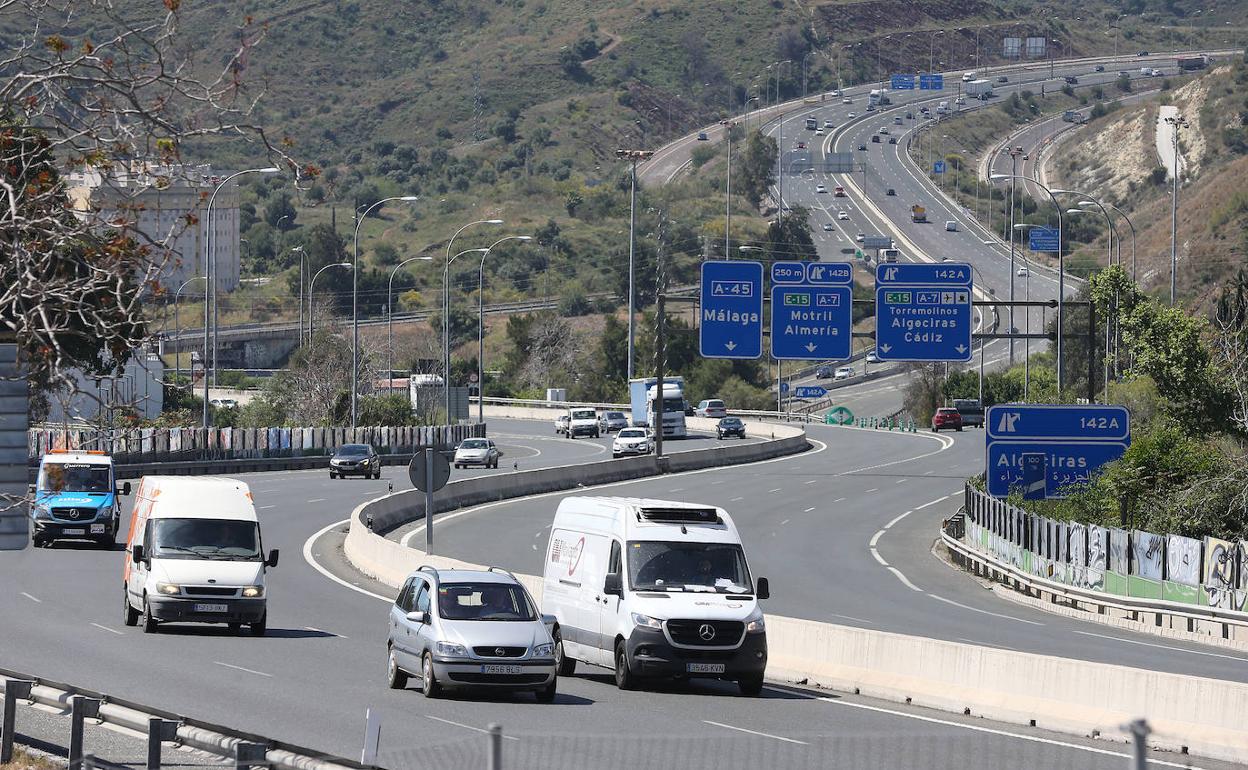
(429, 686)
(131, 615)
(234, 627)
(149, 622)
(260, 626)
(751, 685)
(564, 666)
(547, 693)
(396, 678)
(624, 678)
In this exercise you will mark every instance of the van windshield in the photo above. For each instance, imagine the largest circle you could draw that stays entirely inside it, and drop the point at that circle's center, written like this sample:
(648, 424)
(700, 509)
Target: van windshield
(75, 477)
(584, 414)
(710, 567)
(226, 539)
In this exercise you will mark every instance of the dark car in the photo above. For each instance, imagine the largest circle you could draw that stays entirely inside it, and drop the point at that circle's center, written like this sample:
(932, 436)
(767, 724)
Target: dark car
(946, 417)
(730, 426)
(891, 192)
(1100, 68)
(1002, 79)
(355, 460)
(1072, 80)
(971, 410)
(824, 373)
(875, 138)
(892, 140)
(909, 116)
(1142, 53)
(862, 147)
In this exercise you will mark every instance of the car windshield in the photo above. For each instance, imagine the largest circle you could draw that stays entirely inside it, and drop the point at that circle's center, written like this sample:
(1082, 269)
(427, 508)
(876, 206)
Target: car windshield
(584, 414)
(632, 433)
(615, 415)
(474, 443)
(484, 601)
(664, 566)
(75, 477)
(354, 450)
(730, 422)
(227, 539)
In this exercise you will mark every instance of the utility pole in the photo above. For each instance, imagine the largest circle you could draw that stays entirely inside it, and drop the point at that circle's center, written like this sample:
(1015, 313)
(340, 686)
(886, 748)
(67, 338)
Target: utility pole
(728, 126)
(1176, 122)
(632, 156)
(1014, 153)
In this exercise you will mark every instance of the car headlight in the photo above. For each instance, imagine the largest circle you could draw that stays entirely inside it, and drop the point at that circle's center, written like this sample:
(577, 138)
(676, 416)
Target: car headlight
(168, 589)
(543, 650)
(253, 592)
(451, 650)
(41, 513)
(755, 624)
(645, 621)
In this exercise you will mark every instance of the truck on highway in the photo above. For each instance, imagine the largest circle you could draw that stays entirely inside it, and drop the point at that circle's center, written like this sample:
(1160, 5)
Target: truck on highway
(811, 124)
(942, 108)
(878, 97)
(1198, 62)
(642, 394)
(918, 213)
(1072, 116)
(979, 88)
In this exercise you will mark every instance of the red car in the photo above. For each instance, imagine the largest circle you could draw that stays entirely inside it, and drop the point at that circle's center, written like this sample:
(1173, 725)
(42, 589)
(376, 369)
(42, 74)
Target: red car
(946, 417)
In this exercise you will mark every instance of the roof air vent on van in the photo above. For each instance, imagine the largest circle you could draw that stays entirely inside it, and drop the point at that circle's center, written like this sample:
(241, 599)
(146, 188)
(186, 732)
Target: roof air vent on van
(680, 515)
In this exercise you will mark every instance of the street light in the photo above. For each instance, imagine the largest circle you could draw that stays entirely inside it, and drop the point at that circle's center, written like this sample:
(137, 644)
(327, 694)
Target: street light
(1090, 201)
(301, 281)
(177, 357)
(1176, 122)
(1026, 319)
(355, 302)
(728, 126)
(446, 312)
(632, 156)
(1131, 225)
(312, 295)
(210, 275)
(390, 319)
(481, 323)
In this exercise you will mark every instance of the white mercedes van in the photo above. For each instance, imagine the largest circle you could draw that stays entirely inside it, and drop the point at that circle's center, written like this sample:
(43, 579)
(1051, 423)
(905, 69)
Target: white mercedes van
(653, 588)
(194, 555)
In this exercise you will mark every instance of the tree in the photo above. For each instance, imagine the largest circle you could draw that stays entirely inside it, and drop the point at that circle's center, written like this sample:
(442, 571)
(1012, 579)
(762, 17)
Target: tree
(757, 167)
(789, 236)
(280, 212)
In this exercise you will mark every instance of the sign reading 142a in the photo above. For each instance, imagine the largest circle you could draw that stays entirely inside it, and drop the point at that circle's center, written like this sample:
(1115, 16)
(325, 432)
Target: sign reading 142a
(923, 312)
(732, 309)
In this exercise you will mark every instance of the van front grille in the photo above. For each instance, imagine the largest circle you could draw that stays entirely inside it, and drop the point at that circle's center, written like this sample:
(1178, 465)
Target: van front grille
(209, 591)
(706, 633)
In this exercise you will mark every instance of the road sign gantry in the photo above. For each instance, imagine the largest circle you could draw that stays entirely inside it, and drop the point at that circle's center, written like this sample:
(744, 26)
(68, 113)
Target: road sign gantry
(812, 311)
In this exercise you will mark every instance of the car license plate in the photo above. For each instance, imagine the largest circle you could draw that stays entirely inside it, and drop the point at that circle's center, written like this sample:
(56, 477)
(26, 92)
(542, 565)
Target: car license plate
(705, 668)
(497, 669)
(75, 531)
(97, 529)
(212, 608)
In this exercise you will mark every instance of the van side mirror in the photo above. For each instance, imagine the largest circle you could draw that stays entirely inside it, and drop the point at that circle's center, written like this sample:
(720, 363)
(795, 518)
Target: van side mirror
(418, 616)
(272, 560)
(764, 589)
(124, 489)
(30, 488)
(613, 585)
(136, 553)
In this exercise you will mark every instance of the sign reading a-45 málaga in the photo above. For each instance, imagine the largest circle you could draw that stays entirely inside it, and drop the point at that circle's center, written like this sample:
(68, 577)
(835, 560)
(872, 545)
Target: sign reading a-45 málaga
(1075, 440)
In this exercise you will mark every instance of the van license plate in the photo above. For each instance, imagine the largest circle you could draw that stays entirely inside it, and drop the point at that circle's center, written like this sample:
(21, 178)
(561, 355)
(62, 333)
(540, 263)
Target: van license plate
(75, 531)
(705, 668)
(212, 608)
(497, 669)
(97, 529)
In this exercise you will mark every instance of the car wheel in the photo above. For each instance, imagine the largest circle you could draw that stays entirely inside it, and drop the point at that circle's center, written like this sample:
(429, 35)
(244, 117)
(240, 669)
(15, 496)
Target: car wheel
(333, 475)
(751, 685)
(564, 666)
(959, 429)
(149, 622)
(935, 429)
(377, 475)
(624, 678)
(429, 686)
(235, 627)
(130, 615)
(547, 693)
(396, 678)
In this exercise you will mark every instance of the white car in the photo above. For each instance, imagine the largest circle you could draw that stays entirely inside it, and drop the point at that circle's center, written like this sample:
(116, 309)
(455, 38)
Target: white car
(820, 188)
(847, 100)
(631, 441)
(843, 216)
(711, 407)
(828, 227)
(884, 130)
(843, 373)
(852, 115)
(583, 421)
(829, 124)
(610, 422)
(561, 424)
(951, 226)
(1023, 272)
(861, 237)
(873, 357)
(224, 403)
(819, 132)
(477, 451)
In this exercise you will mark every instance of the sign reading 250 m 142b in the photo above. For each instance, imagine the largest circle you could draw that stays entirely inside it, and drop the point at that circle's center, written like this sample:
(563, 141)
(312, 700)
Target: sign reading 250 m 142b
(731, 323)
(923, 312)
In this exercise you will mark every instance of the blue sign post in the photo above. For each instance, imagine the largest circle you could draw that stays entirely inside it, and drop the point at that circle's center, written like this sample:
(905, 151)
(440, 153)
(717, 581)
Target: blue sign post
(923, 312)
(811, 391)
(1043, 239)
(930, 82)
(938, 167)
(902, 82)
(732, 309)
(812, 316)
(1073, 442)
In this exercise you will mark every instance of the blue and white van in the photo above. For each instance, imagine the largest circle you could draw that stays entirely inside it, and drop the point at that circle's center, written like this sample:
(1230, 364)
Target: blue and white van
(76, 498)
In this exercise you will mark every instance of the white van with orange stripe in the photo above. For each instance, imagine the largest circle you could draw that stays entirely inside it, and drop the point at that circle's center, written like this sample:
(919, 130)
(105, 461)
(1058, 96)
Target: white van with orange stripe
(194, 555)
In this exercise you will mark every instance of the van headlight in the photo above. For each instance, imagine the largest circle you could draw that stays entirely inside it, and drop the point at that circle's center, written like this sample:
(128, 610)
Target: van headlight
(755, 624)
(41, 513)
(543, 650)
(253, 592)
(450, 650)
(645, 621)
(168, 589)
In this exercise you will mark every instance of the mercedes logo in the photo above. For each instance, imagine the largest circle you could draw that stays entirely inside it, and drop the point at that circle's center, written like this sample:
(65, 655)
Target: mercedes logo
(499, 651)
(73, 513)
(706, 631)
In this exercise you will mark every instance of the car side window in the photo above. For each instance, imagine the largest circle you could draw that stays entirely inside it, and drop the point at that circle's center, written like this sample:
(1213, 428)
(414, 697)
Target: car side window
(405, 596)
(615, 564)
(422, 603)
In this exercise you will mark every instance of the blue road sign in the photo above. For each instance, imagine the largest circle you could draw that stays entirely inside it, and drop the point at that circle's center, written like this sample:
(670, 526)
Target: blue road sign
(1074, 440)
(788, 272)
(1034, 475)
(813, 319)
(938, 167)
(811, 391)
(923, 312)
(902, 82)
(784, 388)
(732, 309)
(1043, 239)
(931, 82)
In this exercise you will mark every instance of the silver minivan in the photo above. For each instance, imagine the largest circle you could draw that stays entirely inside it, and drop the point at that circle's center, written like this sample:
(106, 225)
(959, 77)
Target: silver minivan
(456, 629)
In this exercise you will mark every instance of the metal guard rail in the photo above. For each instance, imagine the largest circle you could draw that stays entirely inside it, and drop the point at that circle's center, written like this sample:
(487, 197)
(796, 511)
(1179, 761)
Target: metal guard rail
(540, 403)
(1073, 593)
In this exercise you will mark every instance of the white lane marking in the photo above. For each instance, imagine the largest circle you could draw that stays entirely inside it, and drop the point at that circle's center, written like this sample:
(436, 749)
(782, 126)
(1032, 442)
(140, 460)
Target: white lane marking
(755, 732)
(937, 500)
(240, 668)
(736, 499)
(812, 481)
(875, 539)
(106, 628)
(311, 560)
(467, 727)
(808, 510)
(904, 580)
(890, 524)
(839, 500)
(1163, 646)
(317, 500)
(264, 507)
(678, 489)
(786, 521)
(851, 617)
(992, 731)
(777, 489)
(984, 612)
(536, 452)
(900, 481)
(986, 644)
(32, 598)
(872, 489)
(323, 631)
(880, 559)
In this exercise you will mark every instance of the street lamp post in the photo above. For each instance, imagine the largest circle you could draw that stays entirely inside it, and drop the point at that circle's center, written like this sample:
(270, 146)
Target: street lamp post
(481, 323)
(931, 50)
(1026, 321)
(632, 156)
(390, 319)
(312, 295)
(177, 357)
(1014, 153)
(446, 312)
(302, 278)
(210, 275)
(1131, 225)
(355, 303)
(1176, 122)
(728, 126)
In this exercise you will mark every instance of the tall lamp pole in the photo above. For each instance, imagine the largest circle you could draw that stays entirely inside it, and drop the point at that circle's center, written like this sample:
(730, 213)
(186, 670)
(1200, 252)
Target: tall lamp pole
(1176, 122)
(312, 295)
(1131, 225)
(481, 322)
(177, 357)
(1014, 153)
(633, 156)
(446, 312)
(355, 302)
(728, 126)
(302, 280)
(390, 319)
(210, 274)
